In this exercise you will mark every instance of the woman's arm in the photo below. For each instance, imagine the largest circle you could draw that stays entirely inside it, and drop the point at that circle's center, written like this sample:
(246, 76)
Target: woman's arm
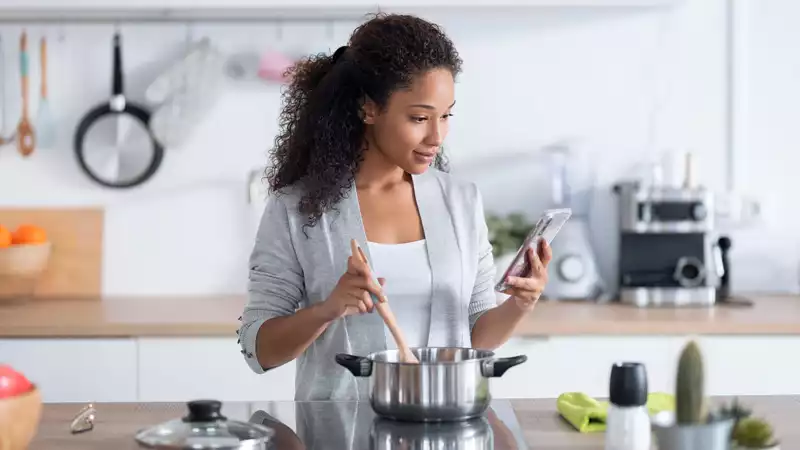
(492, 325)
(282, 339)
(273, 331)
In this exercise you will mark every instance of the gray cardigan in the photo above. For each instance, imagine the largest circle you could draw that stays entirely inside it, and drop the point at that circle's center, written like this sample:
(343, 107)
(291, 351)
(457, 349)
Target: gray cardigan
(289, 270)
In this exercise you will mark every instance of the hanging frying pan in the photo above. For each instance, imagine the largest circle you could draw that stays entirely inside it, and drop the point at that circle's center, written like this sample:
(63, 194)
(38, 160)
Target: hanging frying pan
(113, 142)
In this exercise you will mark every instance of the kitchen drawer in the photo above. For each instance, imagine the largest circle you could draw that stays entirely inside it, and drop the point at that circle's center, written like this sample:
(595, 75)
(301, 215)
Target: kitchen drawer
(76, 370)
(181, 369)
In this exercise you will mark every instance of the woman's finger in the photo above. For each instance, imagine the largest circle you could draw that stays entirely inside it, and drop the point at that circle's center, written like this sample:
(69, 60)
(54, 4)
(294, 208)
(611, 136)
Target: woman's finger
(369, 287)
(367, 300)
(546, 253)
(535, 262)
(357, 302)
(356, 267)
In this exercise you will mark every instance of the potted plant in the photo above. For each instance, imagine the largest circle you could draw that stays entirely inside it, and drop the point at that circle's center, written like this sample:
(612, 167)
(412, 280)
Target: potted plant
(752, 433)
(692, 427)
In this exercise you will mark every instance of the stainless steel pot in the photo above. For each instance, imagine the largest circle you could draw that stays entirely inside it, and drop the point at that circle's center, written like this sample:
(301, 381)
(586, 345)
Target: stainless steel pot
(474, 434)
(449, 383)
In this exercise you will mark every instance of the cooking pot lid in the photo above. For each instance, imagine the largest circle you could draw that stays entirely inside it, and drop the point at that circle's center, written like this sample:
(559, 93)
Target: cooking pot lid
(204, 428)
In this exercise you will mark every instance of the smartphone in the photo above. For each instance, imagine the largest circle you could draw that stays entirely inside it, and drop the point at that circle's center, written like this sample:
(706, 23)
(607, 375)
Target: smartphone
(548, 225)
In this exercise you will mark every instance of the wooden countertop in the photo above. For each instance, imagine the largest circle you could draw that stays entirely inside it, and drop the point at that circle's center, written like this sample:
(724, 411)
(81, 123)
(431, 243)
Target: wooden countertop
(541, 426)
(218, 316)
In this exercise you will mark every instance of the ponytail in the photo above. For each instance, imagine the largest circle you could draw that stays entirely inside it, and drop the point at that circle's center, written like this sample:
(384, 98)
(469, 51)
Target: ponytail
(320, 143)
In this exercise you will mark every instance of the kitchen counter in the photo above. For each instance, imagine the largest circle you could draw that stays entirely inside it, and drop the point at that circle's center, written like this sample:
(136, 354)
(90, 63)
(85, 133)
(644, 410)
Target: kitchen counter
(218, 316)
(512, 424)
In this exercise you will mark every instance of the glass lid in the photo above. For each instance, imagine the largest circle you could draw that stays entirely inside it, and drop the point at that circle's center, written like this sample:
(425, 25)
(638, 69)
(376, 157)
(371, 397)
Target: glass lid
(204, 427)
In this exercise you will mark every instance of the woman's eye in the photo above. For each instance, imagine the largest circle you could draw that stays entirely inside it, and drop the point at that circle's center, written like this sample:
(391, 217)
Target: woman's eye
(419, 119)
(447, 116)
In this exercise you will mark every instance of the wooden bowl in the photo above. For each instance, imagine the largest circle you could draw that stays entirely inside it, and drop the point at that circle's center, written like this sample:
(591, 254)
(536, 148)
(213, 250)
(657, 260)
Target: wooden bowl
(21, 266)
(19, 419)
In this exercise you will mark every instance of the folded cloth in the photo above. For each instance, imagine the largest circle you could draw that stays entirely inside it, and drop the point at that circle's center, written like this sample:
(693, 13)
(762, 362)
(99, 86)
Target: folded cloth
(588, 415)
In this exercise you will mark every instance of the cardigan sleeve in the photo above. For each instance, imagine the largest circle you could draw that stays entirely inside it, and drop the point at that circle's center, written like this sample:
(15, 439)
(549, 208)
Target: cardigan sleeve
(483, 294)
(275, 285)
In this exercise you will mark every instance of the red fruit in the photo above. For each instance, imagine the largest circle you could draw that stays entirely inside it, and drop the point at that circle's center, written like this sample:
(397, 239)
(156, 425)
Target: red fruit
(12, 383)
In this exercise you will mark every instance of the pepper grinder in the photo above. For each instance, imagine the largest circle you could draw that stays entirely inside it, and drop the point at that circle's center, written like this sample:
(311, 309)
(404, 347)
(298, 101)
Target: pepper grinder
(628, 420)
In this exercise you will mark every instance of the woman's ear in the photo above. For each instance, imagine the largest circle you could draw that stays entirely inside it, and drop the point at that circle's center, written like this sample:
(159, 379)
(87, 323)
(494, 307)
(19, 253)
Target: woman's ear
(368, 111)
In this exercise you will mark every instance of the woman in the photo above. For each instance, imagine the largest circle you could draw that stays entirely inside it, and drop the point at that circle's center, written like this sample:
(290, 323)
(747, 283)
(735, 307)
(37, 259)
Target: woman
(358, 158)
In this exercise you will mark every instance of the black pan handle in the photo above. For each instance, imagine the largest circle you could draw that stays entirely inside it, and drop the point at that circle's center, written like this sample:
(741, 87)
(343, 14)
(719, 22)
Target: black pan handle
(117, 75)
(357, 365)
(497, 367)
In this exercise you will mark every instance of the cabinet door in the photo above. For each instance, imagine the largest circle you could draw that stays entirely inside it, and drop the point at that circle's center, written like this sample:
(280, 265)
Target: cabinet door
(734, 365)
(181, 369)
(76, 370)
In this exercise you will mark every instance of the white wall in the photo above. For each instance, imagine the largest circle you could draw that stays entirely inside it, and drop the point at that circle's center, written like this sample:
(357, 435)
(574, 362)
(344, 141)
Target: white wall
(625, 83)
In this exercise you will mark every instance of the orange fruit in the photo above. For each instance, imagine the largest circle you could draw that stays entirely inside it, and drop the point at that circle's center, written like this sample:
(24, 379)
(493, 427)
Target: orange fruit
(29, 234)
(5, 237)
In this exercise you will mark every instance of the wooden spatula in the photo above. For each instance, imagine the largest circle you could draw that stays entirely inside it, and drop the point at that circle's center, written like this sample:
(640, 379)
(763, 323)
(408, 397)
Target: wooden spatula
(26, 140)
(386, 312)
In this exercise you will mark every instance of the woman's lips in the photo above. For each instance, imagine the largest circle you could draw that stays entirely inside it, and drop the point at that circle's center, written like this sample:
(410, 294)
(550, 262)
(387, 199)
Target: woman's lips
(424, 157)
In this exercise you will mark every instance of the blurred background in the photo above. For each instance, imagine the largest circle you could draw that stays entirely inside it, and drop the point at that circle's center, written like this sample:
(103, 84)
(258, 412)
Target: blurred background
(621, 84)
(691, 104)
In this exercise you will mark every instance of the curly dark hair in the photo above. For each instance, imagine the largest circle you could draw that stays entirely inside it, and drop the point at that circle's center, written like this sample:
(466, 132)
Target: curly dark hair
(321, 140)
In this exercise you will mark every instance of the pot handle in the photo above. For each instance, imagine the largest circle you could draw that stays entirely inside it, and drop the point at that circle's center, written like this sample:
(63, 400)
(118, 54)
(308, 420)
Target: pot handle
(357, 365)
(497, 367)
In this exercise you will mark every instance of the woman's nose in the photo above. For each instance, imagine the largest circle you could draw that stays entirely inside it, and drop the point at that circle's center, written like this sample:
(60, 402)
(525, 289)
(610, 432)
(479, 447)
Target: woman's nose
(435, 135)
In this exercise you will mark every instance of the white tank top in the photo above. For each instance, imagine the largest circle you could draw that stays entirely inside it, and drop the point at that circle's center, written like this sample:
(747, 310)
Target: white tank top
(408, 286)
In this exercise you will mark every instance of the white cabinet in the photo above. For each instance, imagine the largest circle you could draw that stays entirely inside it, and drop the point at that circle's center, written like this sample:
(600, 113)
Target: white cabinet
(735, 365)
(76, 370)
(182, 369)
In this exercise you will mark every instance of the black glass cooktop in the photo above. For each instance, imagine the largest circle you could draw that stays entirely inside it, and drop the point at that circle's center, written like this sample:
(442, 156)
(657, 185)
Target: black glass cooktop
(354, 426)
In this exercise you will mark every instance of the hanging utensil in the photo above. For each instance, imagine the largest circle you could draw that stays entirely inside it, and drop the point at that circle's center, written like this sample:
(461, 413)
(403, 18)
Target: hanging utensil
(26, 140)
(3, 138)
(45, 132)
(113, 142)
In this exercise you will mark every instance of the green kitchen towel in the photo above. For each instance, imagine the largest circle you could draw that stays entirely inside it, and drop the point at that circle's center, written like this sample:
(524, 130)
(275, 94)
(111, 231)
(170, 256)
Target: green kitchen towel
(588, 415)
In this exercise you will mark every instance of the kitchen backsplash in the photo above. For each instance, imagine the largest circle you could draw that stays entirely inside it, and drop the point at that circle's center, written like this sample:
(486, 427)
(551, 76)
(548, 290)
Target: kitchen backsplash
(622, 85)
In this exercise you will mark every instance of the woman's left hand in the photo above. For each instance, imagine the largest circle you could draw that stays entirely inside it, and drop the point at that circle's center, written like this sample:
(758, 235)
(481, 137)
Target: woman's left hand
(527, 290)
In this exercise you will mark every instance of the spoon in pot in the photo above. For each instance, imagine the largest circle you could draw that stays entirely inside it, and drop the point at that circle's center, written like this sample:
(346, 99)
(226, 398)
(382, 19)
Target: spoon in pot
(406, 355)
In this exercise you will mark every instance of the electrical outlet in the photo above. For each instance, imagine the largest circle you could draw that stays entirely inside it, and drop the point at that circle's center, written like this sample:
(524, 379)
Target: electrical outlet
(736, 210)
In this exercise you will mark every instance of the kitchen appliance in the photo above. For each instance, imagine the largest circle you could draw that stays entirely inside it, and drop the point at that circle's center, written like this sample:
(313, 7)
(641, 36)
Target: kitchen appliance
(449, 383)
(204, 427)
(355, 426)
(669, 252)
(470, 434)
(573, 273)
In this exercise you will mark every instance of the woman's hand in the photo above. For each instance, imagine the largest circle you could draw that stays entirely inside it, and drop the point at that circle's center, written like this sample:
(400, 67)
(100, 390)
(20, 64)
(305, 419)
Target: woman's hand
(352, 293)
(527, 290)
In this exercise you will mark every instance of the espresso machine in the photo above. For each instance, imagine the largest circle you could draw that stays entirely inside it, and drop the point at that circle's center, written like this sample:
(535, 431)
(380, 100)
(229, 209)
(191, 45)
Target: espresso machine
(669, 251)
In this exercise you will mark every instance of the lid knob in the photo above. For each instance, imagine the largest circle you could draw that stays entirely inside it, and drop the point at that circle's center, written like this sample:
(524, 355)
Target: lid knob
(204, 411)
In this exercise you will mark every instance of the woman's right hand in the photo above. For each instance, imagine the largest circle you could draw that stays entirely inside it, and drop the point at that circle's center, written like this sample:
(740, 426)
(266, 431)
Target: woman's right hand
(352, 293)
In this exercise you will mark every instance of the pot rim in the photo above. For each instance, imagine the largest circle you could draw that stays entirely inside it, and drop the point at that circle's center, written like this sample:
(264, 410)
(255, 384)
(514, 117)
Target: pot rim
(490, 355)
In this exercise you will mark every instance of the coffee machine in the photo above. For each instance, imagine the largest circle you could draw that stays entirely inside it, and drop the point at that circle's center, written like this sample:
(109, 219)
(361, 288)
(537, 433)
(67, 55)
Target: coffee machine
(669, 252)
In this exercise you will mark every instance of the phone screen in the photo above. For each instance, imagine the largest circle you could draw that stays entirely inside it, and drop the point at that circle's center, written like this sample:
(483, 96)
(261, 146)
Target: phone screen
(547, 227)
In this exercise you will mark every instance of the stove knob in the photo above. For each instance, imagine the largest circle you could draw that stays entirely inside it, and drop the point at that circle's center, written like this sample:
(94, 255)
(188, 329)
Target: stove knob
(571, 268)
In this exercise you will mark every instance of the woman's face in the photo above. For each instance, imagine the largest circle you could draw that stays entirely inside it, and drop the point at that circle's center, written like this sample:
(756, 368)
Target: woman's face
(412, 127)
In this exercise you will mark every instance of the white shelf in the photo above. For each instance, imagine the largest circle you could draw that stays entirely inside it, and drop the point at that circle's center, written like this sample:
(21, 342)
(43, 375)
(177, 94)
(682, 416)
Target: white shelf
(154, 10)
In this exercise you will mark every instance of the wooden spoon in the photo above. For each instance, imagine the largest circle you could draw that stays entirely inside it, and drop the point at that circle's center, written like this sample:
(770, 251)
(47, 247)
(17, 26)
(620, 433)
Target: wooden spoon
(385, 312)
(26, 140)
